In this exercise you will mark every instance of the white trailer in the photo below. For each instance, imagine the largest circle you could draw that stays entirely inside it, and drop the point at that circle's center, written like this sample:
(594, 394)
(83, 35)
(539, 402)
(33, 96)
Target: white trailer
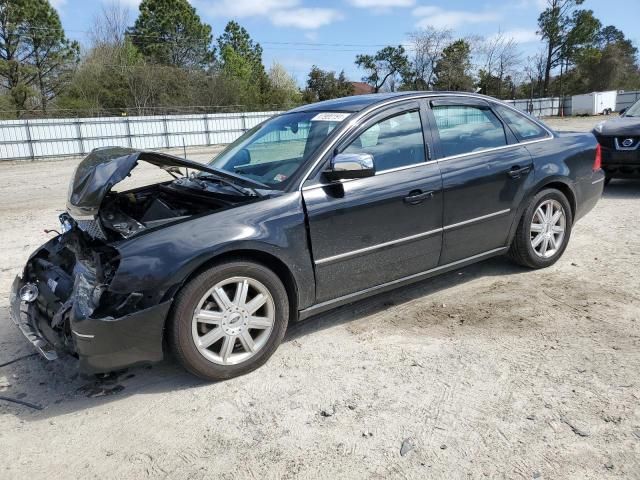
(594, 103)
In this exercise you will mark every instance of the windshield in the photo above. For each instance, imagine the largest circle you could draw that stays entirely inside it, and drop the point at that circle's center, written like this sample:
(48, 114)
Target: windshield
(274, 151)
(633, 111)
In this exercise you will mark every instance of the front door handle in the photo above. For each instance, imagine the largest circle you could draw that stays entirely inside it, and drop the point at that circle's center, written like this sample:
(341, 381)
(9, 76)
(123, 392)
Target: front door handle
(517, 171)
(417, 197)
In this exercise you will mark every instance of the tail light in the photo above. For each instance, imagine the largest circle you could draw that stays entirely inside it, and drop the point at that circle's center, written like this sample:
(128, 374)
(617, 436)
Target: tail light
(597, 162)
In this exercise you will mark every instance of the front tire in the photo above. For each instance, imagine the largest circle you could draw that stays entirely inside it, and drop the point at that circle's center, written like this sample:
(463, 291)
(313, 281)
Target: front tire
(228, 320)
(544, 230)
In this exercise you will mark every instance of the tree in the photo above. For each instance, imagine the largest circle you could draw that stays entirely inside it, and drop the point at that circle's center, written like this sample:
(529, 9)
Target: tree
(240, 58)
(36, 58)
(427, 46)
(283, 89)
(565, 30)
(110, 25)
(453, 70)
(169, 32)
(383, 66)
(610, 63)
(324, 85)
(500, 57)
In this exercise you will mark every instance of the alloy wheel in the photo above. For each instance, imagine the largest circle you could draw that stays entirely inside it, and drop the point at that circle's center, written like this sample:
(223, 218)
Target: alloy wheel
(548, 227)
(233, 320)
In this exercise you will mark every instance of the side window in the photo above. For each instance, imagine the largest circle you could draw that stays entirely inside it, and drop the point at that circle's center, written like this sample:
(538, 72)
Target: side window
(394, 142)
(524, 128)
(467, 128)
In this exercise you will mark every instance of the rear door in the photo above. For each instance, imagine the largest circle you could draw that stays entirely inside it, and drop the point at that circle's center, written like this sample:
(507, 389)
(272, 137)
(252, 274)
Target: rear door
(369, 231)
(484, 170)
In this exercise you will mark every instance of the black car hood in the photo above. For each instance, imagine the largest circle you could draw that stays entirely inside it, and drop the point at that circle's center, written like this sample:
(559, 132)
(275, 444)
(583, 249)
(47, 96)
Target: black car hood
(103, 168)
(621, 126)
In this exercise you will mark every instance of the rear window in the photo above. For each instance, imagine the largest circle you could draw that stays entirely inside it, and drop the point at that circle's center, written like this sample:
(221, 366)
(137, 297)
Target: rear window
(524, 128)
(467, 129)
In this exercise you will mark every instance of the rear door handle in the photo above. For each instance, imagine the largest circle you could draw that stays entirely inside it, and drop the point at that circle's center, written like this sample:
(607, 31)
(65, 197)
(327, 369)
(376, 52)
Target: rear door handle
(417, 197)
(517, 171)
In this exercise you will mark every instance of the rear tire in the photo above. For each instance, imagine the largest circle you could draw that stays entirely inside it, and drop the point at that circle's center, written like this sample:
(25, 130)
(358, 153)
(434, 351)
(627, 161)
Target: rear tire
(544, 230)
(228, 320)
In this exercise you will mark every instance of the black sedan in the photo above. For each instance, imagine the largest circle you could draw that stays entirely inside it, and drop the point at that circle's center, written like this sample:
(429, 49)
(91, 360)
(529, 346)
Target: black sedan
(620, 141)
(319, 207)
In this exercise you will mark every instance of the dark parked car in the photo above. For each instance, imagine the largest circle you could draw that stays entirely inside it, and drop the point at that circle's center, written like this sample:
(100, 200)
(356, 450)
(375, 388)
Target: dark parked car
(319, 207)
(620, 142)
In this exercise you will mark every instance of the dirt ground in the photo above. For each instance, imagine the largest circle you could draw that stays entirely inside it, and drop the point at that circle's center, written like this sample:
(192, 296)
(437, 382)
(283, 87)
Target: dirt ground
(491, 371)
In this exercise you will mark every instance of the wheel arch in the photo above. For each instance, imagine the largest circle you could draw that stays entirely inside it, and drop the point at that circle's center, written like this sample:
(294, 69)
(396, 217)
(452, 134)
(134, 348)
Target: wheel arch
(557, 183)
(261, 257)
(565, 188)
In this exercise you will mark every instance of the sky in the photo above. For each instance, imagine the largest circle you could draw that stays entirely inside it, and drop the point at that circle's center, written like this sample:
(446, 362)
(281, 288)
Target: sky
(302, 33)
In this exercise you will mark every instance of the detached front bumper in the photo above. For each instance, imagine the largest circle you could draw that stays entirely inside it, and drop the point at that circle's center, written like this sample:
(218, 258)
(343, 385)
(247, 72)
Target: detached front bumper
(101, 344)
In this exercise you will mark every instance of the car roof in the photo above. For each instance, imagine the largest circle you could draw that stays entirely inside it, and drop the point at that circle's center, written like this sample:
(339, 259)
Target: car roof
(356, 103)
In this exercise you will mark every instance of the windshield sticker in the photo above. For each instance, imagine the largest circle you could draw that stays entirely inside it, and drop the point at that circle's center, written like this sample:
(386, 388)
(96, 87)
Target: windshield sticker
(279, 178)
(330, 117)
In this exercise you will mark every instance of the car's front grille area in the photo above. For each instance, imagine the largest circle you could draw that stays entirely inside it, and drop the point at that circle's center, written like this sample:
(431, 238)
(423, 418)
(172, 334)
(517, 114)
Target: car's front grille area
(92, 228)
(626, 143)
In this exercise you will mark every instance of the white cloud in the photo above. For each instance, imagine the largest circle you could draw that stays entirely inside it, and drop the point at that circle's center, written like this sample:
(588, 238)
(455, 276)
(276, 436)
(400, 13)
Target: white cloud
(57, 4)
(382, 3)
(441, 18)
(282, 13)
(249, 8)
(305, 18)
(520, 35)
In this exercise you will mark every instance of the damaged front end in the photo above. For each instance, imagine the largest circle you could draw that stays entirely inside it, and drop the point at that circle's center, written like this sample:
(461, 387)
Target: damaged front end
(63, 302)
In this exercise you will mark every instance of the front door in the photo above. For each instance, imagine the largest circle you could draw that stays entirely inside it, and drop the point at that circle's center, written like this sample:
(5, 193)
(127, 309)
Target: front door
(370, 231)
(484, 170)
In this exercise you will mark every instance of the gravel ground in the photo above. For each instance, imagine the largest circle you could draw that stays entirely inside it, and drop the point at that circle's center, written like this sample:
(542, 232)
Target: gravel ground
(491, 371)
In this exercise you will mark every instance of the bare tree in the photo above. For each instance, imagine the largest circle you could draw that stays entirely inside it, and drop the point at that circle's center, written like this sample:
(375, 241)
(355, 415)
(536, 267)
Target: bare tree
(110, 25)
(500, 58)
(427, 46)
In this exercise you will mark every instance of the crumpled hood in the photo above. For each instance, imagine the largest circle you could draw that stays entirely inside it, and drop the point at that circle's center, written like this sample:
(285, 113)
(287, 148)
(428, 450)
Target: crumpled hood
(103, 168)
(619, 127)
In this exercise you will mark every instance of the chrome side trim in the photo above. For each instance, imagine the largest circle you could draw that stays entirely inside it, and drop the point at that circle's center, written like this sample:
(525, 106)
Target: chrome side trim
(598, 181)
(380, 246)
(354, 123)
(477, 219)
(495, 149)
(399, 241)
(82, 335)
(416, 276)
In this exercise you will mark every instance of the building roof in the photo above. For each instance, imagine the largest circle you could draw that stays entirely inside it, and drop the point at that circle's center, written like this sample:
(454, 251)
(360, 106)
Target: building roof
(361, 88)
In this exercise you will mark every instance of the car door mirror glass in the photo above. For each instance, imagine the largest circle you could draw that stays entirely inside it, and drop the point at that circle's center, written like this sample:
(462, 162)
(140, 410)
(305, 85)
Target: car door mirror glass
(351, 165)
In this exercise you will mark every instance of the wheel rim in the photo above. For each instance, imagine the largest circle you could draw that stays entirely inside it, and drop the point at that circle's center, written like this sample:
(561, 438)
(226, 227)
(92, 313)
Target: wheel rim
(548, 227)
(233, 320)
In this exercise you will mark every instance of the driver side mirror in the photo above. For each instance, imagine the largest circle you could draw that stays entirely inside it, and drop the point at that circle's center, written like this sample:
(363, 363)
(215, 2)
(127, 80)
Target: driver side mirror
(621, 112)
(351, 165)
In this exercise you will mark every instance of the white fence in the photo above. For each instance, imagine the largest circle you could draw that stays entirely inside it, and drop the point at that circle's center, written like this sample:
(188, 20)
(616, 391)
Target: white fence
(543, 107)
(32, 139)
(39, 138)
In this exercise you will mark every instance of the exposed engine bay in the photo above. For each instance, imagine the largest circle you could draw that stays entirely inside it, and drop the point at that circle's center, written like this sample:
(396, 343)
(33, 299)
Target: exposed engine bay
(129, 213)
